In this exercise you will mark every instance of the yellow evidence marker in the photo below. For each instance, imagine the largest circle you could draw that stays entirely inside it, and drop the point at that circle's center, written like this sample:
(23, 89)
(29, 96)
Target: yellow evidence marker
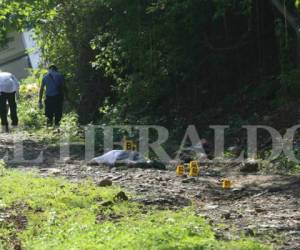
(180, 170)
(194, 169)
(226, 183)
(129, 145)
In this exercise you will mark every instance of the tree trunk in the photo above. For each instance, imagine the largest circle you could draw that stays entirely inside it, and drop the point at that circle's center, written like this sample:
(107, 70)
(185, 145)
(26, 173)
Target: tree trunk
(292, 21)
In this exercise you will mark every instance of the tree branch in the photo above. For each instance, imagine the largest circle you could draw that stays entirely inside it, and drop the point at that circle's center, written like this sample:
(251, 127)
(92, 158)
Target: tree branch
(290, 18)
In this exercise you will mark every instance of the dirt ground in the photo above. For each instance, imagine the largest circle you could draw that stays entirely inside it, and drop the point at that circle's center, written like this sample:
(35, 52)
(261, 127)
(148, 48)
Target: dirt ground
(266, 207)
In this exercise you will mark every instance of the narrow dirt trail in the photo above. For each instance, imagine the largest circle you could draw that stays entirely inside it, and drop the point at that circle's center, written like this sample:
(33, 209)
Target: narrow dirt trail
(266, 207)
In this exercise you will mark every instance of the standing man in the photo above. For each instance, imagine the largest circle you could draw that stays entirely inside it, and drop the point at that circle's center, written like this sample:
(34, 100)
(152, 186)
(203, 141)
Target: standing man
(54, 83)
(9, 90)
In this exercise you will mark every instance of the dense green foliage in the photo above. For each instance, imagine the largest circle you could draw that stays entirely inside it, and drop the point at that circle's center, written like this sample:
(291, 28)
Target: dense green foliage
(172, 62)
(50, 213)
(166, 62)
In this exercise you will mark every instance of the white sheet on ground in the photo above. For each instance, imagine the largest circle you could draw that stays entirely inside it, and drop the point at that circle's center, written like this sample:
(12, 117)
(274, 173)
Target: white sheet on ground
(120, 156)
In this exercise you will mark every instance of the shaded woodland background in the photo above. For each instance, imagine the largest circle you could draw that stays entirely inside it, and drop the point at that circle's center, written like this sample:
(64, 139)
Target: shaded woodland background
(170, 62)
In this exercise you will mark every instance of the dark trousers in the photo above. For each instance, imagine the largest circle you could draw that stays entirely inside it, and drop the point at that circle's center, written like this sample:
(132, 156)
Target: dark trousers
(53, 109)
(9, 98)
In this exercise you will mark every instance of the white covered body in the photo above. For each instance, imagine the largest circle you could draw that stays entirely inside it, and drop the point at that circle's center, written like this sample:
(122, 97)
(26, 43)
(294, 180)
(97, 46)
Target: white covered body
(120, 156)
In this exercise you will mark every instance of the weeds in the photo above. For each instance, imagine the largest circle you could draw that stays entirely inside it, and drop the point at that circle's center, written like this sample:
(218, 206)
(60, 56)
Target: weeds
(63, 215)
(2, 168)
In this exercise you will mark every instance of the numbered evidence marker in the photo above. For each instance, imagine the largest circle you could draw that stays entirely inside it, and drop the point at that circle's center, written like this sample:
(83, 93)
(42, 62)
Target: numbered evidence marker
(180, 170)
(129, 145)
(226, 183)
(194, 169)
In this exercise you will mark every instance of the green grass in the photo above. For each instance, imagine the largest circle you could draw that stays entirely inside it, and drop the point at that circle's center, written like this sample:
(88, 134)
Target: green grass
(61, 215)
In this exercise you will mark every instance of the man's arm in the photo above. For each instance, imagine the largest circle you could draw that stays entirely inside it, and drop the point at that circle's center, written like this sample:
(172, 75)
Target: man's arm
(17, 94)
(41, 93)
(17, 86)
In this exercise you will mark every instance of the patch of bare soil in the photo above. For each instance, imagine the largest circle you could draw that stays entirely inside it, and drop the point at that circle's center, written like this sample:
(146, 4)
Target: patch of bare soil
(266, 207)
(14, 219)
(262, 206)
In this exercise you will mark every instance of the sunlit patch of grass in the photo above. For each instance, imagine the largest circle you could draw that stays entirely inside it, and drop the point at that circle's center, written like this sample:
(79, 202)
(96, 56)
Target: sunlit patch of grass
(64, 215)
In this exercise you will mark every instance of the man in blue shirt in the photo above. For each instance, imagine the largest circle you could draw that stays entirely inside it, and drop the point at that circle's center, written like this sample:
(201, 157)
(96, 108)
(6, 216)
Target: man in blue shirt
(54, 82)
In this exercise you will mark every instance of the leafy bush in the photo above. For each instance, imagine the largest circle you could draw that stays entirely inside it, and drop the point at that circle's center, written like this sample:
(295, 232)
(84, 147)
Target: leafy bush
(29, 113)
(70, 127)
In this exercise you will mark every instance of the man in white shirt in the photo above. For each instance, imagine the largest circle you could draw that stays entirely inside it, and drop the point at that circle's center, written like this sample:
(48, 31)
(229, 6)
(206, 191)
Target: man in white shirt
(9, 90)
